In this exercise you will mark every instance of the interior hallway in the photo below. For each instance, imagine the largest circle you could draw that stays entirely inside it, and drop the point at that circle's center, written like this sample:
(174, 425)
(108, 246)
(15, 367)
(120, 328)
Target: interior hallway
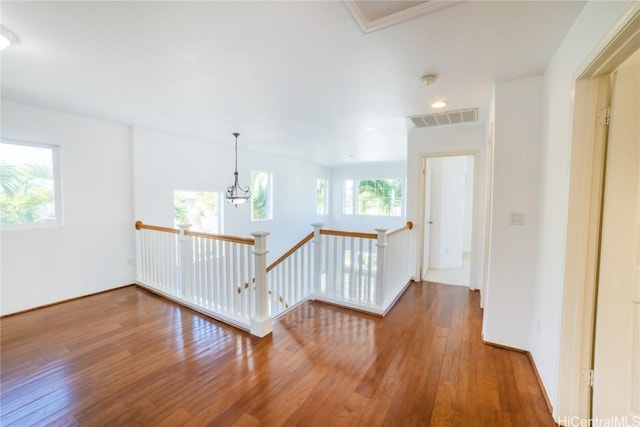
(128, 357)
(460, 276)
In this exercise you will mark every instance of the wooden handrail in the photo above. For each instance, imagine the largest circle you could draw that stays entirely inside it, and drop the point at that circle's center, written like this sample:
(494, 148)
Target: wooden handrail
(140, 226)
(407, 226)
(348, 234)
(223, 237)
(290, 251)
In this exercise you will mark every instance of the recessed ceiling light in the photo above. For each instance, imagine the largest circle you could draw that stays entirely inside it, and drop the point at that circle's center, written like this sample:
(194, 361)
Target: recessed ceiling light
(439, 104)
(370, 128)
(7, 37)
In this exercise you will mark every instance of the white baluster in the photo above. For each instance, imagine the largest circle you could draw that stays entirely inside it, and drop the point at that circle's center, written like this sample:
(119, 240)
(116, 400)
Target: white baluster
(369, 286)
(237, 279)
(241, 278)
(317, 258)
(142, 264)
(154, 254)
(250, 276)
(233, 282)
(359, 290)
(167, 268)
(198, 270)
(261, 321)
(380, 272)
(185, 262)
(353, 293)
(211, 257)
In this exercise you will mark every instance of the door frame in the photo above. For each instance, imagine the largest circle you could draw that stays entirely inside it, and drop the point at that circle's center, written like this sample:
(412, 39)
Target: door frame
(422, 199)
(586, 188)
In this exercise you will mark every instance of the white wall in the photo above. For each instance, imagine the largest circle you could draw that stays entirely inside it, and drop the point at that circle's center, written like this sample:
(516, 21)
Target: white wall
(94, 249)
(447, 140)
(508, 311)
(447, 211)
(468, 204)
(164, 163)
(589, 30)
(363, 223)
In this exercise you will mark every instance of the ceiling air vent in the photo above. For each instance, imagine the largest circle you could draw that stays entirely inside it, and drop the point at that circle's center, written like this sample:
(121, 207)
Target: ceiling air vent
(445, 118)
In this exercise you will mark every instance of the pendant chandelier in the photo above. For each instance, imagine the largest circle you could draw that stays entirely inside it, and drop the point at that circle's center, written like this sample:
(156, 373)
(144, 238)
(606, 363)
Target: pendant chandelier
(237, 195)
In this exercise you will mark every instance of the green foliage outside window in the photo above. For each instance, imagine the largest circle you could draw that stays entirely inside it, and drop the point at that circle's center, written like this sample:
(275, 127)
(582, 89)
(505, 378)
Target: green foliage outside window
(27, 187)
(200, 209)
(321, 197)
(380, 197)
(260, 197)
(373, 197)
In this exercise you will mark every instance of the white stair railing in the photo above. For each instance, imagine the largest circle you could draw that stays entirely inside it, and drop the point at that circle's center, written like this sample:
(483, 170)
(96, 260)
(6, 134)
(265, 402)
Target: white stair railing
(227, 278)
(363, 271)
(207, 272)
(396, 271)
(349, 268)
(291, 277)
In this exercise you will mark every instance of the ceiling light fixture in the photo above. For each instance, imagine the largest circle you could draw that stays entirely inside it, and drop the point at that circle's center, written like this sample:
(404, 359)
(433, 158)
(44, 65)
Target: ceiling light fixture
(7, 38)
(236, 195)
(439, 104)
(429, 79)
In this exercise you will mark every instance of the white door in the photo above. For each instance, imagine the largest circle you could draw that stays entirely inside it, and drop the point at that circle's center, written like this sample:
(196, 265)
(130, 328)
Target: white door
(616, 391)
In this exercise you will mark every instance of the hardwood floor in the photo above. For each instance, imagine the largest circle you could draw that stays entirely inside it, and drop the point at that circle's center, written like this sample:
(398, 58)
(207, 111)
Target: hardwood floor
(130, 358)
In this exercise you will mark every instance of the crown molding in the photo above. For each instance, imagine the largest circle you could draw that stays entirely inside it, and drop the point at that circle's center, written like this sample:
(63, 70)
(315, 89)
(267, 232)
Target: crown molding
(367, 26)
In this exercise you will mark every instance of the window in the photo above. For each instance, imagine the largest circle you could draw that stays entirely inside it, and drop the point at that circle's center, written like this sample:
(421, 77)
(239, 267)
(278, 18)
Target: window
(30, 190)
(347, 200)
(322, 205)
(200, 209)
(373, 197)
(260, 196)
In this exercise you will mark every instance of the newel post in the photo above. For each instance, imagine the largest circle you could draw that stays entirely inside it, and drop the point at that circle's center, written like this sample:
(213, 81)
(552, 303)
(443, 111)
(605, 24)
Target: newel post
(317, 258)
(139, 267)
(185, 260)
(381, 244)
(260, 319)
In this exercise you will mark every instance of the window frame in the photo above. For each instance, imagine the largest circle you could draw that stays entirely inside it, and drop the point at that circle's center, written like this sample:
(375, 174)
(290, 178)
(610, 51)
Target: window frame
(56, 164)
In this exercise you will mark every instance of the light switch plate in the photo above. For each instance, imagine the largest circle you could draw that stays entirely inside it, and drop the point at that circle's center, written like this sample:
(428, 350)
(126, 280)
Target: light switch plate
(517, 218)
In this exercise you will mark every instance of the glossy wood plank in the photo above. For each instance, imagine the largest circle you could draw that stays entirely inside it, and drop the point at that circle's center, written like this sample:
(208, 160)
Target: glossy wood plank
(129, 357)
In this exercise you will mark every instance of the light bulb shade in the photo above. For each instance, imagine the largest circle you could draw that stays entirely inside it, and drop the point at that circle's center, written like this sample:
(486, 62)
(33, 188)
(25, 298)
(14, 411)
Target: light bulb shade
(237, 200)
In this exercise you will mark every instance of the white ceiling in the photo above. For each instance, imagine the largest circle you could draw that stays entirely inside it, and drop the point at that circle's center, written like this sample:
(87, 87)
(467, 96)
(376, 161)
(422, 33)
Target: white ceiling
(294, 78)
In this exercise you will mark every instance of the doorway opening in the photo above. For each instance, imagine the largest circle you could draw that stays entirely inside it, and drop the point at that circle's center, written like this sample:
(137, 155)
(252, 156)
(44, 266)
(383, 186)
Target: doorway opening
(448, 207)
